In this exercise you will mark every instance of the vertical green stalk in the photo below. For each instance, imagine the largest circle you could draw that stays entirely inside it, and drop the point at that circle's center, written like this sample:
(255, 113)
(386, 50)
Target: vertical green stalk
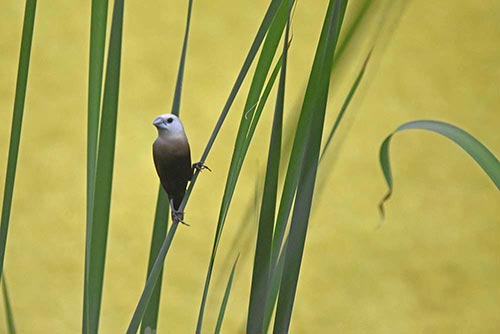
(98, 229)
(249, 119)
(309, 165)
(150, 317)
(17, 121)
(96, 64)
(261, 267)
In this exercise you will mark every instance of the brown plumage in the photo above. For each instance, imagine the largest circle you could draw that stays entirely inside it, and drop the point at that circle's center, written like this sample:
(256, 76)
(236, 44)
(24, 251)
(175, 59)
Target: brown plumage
(172, 158)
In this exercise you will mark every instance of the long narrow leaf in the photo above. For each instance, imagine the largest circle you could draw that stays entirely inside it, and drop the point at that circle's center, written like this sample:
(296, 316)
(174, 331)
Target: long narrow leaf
(96, 64)
(17, 121)
(305, 190)
(262, 259)
(480, 153)
(243, 138)
(160, 259)
(346, 103)
(152, 280)
(98, 230)
(299, 143)
(160, 227)
(227, 292)
(150, 318)
(11, 328)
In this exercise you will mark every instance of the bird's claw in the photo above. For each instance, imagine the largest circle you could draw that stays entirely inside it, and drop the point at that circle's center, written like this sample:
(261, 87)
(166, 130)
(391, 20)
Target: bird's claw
(178, 217)
(201, 166)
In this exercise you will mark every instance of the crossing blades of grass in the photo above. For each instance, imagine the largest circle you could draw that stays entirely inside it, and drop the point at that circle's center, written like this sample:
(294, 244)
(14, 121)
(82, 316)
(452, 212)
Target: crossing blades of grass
(156, 270)
(11, 329)
(17, 121)
(160, 226)
(98, 229)
(317, 91)
(225, 299)
(261, 267)
(300, 140)
(245, 133)
(476, 150)
(244, 136)
(150, 317)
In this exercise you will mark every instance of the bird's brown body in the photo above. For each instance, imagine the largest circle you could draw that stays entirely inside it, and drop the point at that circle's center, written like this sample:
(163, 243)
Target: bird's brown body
(172, 158)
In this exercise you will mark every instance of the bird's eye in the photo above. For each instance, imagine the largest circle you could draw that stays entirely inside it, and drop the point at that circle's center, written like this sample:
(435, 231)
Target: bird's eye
(170, 120)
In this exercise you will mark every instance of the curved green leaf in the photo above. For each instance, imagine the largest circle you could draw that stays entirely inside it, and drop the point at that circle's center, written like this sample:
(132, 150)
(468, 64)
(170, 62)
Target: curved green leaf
(488, 162)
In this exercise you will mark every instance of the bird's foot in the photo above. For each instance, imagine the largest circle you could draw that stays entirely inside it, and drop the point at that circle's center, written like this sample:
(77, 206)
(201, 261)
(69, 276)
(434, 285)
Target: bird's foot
(178, 217)
(201, 166)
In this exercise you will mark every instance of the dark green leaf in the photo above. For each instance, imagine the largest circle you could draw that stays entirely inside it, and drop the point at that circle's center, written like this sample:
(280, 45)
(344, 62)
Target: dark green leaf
(17, 121)
(243, 138)
(150, 318)
(317, 89)
(98, 229)
(261, 267)
(96, 64)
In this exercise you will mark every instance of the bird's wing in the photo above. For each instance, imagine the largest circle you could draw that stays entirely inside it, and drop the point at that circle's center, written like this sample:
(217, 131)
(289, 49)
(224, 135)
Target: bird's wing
(173, 165)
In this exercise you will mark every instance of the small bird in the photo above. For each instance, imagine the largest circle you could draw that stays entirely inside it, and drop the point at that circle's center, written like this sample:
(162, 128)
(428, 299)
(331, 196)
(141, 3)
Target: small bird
(172, 158)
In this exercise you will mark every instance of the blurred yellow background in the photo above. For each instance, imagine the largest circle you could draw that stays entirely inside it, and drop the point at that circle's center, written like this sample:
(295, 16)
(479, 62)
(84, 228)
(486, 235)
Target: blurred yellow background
(433, 267)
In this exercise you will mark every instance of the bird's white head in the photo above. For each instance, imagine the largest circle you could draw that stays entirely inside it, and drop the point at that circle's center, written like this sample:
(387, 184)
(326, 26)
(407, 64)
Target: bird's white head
(169, 125)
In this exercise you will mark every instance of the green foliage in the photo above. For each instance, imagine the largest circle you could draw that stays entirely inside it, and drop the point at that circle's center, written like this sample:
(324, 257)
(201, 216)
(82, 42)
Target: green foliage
(488, 162)
(97, 229)
(11, 328)
(225, 299)
(282, 230)
(17, 121)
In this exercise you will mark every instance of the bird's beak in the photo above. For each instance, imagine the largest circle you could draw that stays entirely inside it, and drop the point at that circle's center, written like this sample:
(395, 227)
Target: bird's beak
(158, 121)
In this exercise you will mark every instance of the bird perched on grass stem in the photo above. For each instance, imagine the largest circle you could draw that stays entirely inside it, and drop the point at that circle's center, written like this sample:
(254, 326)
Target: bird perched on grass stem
(172, 158)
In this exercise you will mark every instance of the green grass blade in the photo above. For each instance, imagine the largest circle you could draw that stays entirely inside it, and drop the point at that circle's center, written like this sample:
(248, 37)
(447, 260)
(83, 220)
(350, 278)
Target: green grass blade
(277, 272)
(261, 33)
(96, 64)
(150, 317)
(151, 281)
(11, 328)
(486, 160)
(176, 104)
(262, 259)
(343, 109)
(305, 189)
(227, 292)
(155, 273)
(243, 137)
(351, 30)
(17, 121)
(299, 143)
(94, 271)
(160, 226)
